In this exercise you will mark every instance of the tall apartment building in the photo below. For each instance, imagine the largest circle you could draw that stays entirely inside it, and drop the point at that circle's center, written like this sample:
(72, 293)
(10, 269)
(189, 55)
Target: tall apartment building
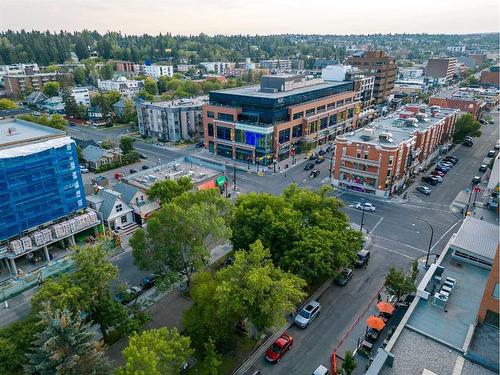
(17, 85)
(382, 67)
(219, 67)
(172, 121)
(157, 71)
(380, 158)
(17, 69)
(441, 70)
(42, 198)
(283, 116)
(127, 87)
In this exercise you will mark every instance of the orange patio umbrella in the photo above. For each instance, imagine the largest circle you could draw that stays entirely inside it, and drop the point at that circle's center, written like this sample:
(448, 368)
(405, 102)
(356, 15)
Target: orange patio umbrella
(375, 322)
(385, 307)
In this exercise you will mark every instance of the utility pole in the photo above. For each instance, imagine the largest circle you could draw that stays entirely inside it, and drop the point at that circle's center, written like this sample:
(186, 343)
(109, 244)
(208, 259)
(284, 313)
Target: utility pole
(234, 176)
(362, 216)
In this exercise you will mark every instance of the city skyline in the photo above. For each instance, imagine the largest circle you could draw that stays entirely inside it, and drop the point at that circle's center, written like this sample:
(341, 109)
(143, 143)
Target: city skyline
(252, 17)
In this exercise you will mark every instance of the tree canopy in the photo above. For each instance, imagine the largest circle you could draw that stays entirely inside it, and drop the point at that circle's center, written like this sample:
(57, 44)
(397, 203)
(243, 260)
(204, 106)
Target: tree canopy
(400, 283)
(54, 121)
(7, 104)
(466, 125)
(166, 190)
(51, 88)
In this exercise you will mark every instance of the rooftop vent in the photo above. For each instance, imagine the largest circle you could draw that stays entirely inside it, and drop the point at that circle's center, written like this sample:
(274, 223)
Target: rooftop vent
(421, 117)
(385, 137)
(411, 122)
(367, 134)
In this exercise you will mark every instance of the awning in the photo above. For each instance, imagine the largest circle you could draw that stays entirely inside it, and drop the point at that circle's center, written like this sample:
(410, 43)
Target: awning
(219, 181)
(207, 185)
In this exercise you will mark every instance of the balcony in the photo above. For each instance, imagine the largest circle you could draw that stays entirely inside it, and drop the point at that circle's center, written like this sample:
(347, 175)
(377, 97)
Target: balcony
(372, 163)
(358, 172)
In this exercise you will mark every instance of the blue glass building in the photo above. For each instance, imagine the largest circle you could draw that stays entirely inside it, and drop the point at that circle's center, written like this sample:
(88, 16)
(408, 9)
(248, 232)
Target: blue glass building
(40, 178)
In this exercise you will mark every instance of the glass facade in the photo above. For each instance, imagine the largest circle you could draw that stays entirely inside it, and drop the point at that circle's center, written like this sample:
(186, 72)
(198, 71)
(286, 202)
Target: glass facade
(38, 188)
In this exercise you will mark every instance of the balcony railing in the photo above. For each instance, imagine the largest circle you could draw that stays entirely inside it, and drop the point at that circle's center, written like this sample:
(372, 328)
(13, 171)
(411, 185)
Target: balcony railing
(358, 171)
(373, 163)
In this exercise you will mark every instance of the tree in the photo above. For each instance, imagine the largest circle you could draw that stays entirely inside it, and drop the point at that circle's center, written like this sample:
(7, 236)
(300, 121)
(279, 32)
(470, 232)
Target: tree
(162, 83)
(254, 289)
(79, 75)
(51, 88)
(127, 144)
(156, 352)
(143, 94)
(466, 125)
(79, 153)
(60, 293)
(399, 283)
(150, 86)
(107, 71)
(166, 190)
(71, 107)
(65, 346)
(175, 241)
(349, 363)
(107, 143)
(129, 112)
(7, 104)
(51, 69)
(54, 121)
(212, 360)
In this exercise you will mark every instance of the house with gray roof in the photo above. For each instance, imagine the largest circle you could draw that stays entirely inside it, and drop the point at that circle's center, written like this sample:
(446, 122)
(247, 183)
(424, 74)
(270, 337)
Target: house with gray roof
(138, 200)
(95, 157)
(116, 213)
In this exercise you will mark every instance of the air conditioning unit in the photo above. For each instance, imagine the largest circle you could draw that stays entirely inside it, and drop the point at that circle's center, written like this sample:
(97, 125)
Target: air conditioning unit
(385, 137)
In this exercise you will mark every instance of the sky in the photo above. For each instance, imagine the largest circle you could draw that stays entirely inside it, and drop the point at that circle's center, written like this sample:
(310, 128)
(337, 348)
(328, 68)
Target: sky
(253, 16)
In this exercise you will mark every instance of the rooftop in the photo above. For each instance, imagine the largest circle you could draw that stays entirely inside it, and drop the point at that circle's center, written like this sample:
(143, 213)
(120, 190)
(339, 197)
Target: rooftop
(16, 132)
(477, 236)
(456, 95)
(180, 103)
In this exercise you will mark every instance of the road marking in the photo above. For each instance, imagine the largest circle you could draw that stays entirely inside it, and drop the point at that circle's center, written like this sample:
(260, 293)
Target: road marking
(394, 251)
(400, 243)
(376, 225)
(445, 233)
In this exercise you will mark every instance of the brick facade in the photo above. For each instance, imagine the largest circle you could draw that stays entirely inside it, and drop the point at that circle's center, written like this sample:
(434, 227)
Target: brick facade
(489, 302)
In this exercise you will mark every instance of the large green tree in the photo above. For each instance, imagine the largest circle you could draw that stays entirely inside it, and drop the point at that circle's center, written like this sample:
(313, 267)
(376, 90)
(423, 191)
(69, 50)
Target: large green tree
(175, 240)
(156, 352)
(51, 88)
(54, 121)
(400, 283)
(466, 125)
(126, 144)
(71, 107)
(61, 293)
(79, 75)
(150, 86)
(7, 104)
(65, 346)
(166, 190)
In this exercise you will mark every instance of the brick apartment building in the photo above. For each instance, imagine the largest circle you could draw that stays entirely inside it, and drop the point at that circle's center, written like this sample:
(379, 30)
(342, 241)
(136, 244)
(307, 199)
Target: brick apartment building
(441, 70)
(489, 308)
(462, 100)
(380, 158)
(490, 77)
(17, 85)
(382, 67)
(286, 115)
(128, 67)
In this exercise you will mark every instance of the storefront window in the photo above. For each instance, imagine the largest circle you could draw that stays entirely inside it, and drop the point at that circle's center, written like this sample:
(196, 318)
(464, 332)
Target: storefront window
(323, 123)
(313, 127)
(332, 120)
(239, 136)
(224, 150)
(284, 136)
(350, 113)
(297, 131)
(223, 133)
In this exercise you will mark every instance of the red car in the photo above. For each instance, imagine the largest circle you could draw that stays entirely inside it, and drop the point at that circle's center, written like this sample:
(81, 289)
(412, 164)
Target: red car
(437, 173)
(279, 348)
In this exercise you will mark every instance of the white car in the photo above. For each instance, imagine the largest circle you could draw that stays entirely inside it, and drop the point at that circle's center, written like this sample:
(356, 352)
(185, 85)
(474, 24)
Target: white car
(321, 370)
(438, 178)
(365, 206)
(84, 169)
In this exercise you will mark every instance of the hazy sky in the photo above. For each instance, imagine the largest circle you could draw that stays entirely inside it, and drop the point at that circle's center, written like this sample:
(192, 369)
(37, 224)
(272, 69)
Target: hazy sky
(253, 16)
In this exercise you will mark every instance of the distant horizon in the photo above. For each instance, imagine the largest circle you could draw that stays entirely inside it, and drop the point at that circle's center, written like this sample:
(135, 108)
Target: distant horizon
(253, 17)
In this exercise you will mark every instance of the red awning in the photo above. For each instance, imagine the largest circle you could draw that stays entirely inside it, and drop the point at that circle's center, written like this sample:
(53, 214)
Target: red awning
(207, 185)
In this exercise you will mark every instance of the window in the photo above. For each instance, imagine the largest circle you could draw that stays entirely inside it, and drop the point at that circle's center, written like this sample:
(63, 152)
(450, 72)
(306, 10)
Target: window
(366, 156)
(391, 160)
(223, 133)
(340, 103)
(332, 120)
(320, 108)
(348, 100)
(123, 219)
(118, 208)
(350, 113)
(313, 127)
(284, 135)
(297, 131)
(210, 114)
(323, 123)
(389, 173)
(330, 106)
(298, 115)
(310, 112)
(210, 130)
(239, 136)
(496, 291)
(225, 117)
(358, 155)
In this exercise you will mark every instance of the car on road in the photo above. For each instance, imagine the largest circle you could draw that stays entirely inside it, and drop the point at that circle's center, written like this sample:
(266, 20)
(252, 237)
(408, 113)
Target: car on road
(133, 170)
(344, 277)
(491, 153)
(72, 124)
(321, 152)
(483, 121)
(142, 156)
(446, 164)
(307, 314)
(362, 258)
(320, 159)
(365, 206)
(200, 144)
(483, 168)
(118, 175)
(144, 167)
(431, 180)
(451, 159)
(476, 180)
(279, 348)
(321, 370)
(315, 173)
(491, 121)
(308, 166)
(468, 142)
(313, 157)
(424, 190)
(84, 169)
(437, 173)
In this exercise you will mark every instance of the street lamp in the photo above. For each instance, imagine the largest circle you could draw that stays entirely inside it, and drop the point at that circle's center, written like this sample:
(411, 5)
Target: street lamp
(362, 216)
(430, 242)
(234, 176)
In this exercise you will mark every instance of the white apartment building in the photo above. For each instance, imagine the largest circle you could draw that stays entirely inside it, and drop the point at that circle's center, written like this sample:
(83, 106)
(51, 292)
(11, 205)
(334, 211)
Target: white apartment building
(157, 71)
(81, 95)
(184, 68)
(409, 73)
(219, 67)
(17, 69)
(127, 87)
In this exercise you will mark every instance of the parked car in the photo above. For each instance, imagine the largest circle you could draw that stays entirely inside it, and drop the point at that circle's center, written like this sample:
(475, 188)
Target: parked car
(148, 282)
(468, 143)
(320, 159)
(144, 167)
(142, 156)
(200, 144)
(497, 146)
(430, 180)
(476, 180)
(442, 169)
(362, 258)
(446, 164)
(84, 169)
(344, 277)
(329, 148)
(313, 157)
(307, 314)
(483, 122)
(491, 153)
(483, 168)
(437, 173)
(308, 166)
(321, 370)
(321, 152)
(451, 159)
(491, 121)
(424, 190)
(118, 175)
(279, 348)
(315, 173)
(438, 178)
(133, 170)
(365, 206)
